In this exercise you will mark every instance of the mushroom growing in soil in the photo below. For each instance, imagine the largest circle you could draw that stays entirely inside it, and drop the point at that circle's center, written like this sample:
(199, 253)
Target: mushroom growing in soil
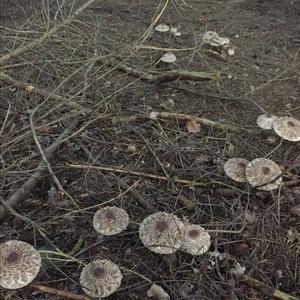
(100, 278)
(263, 174)
(161, 233)
(235, 169)
(162, 28)
(265, 121)
(19, 264)
(287, 128)
(110, 220)
(196, 240)
(168, 58)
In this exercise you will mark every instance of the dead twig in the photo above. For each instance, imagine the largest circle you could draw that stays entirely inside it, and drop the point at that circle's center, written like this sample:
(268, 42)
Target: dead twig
(140, 174)
(170, 75)
(30, 89)
(57, 292)
(19, 196)
(174, 116)
(268, 291)
(22, 49)
(134, 192)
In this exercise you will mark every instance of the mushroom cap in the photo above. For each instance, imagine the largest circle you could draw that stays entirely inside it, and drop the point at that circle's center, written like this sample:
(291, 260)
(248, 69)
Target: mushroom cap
(287, 128)
(162, 28)
(19, 264)
(168, 57)
(100, 278)
(212, 38)
(235, 169)
(265, 121)
(161, 233)
(261, 174)
(110, 220)
(196, 240)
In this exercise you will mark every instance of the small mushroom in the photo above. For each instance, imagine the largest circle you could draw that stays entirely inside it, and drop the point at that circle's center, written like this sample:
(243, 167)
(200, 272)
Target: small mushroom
(162, 28)
(265, 121)
(263, 174)
(168, 57)
(212, 38)
(196, 240)
(161, 233)
(110, 220)
(287, 128)
(100, 278)
(235, 169)
(19, 264)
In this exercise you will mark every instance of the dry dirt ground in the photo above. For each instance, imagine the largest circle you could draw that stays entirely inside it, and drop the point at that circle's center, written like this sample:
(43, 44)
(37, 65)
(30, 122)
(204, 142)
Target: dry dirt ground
(84, 62)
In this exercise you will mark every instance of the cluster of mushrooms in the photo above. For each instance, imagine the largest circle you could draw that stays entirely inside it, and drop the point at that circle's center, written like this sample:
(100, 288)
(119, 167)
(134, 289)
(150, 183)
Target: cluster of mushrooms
(161, 232)
(262, 173)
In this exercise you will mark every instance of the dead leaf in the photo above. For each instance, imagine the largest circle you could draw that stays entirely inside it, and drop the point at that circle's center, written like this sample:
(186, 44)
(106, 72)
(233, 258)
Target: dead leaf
(157, 293)
(192, 126)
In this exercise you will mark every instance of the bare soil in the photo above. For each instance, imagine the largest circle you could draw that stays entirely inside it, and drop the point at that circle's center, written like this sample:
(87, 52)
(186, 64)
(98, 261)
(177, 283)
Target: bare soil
(262, 76)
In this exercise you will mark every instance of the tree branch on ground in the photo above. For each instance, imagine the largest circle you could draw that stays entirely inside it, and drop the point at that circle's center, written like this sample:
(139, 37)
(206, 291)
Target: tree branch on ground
(20, 195)
(22, 49)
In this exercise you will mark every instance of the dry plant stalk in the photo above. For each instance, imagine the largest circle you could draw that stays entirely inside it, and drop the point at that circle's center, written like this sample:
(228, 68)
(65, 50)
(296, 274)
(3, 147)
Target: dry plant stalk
(22, 49)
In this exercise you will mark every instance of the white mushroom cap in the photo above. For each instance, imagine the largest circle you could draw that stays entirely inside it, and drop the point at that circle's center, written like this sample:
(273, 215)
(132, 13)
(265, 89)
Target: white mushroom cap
(196, 240)
(212, 38)
(162, 28)
(261, 174)
(110, 220)
(288, 128)
(100, 278)
(265, 121)
(235, 169)
(161, 233)
(168, 57)
(19, 264)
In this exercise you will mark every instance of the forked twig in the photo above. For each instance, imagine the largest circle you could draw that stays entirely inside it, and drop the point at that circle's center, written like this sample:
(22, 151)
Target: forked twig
(19, 195)
(22, 49)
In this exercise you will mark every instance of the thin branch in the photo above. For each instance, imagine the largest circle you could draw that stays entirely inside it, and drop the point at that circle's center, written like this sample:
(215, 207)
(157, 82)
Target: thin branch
(175, 116)
(139, 174)
(19, 196)
(268, 291)
(31, 89)
(22, 49)
(57, 292)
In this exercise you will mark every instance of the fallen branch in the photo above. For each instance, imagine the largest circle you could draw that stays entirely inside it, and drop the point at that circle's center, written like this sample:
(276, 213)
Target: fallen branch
(174, 116)
(22, 49)
(140, 174)
(31, 89)
(57, 292)
(268, 291)
(19, 196)
(170, 75)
